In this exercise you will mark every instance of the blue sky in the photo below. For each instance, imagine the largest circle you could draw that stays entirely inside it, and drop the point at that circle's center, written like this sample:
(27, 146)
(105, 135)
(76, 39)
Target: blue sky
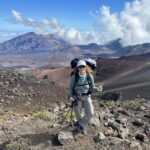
(71, 13)
(79, 21)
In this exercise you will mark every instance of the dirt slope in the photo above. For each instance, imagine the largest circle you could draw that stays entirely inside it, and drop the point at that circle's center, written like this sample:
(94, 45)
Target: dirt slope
(133, 83)
(59, 75)
(20, 91)
(129, 74)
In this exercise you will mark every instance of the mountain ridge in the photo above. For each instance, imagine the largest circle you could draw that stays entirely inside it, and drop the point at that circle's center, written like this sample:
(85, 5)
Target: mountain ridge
(38, 50)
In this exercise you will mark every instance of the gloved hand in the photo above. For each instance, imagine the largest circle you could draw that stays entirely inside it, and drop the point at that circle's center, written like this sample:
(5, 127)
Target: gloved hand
(71, 99)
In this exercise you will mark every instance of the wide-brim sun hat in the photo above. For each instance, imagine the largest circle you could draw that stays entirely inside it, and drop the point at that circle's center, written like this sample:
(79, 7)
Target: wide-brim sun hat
(81, 63)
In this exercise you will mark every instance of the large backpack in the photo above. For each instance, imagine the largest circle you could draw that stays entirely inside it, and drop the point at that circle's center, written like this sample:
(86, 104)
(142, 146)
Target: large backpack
(90, 63)
(76, 82)
(74, 63)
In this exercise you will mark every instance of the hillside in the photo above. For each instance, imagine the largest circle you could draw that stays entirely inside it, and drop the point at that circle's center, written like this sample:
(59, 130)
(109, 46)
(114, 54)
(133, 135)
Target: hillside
(32, 109)
(21, 93)
(127, 74)
(135, 83)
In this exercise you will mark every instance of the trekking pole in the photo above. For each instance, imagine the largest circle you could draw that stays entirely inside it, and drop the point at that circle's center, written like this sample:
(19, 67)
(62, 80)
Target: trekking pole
(71, 113)
(71, 107)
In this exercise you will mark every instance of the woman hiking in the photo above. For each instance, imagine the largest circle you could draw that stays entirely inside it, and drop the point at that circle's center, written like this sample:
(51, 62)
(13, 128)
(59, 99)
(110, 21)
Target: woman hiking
(81, 87)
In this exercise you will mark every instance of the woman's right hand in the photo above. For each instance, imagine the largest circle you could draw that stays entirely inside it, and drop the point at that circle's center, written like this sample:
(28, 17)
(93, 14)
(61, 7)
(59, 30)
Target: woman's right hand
(71, 99)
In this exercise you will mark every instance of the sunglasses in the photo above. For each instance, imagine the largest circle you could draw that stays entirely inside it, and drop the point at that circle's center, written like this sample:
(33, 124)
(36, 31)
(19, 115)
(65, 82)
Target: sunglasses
(81, 66)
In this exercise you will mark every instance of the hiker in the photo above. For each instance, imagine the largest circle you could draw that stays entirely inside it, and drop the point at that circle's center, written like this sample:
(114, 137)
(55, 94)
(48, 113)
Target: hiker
(91, 63)
(81, 86)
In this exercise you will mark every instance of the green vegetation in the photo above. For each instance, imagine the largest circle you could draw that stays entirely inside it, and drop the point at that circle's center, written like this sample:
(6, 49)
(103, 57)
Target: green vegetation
(14, 145)
(44, 115)
(27, 104)
(2, 119)
(132, 104)
(111, 104)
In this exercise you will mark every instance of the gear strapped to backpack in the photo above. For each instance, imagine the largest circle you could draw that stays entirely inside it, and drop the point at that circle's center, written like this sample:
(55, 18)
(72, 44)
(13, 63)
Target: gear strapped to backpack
(90, 63)
(76, 84)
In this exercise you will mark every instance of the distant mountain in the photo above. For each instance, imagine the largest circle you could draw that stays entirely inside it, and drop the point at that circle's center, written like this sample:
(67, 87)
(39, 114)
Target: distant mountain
(114, 48)
(32, 42)
(36, 50)
(91, 46)
(137, 49)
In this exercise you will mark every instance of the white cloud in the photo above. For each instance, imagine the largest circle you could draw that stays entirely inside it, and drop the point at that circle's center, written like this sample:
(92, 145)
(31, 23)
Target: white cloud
(132, 25)
(54, 27)
(107, 24)
(17, 16)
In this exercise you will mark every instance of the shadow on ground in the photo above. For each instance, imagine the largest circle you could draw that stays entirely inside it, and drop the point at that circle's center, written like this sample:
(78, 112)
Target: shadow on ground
(45, 139)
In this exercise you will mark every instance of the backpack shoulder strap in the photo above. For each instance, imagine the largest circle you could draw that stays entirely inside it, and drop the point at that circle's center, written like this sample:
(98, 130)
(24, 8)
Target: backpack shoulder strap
(76, 78)
(76, 75)
(88, 78)
(72, 73)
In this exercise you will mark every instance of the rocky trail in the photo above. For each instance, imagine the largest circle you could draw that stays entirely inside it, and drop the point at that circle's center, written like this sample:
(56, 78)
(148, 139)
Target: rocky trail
(28, 122)
(115, 125)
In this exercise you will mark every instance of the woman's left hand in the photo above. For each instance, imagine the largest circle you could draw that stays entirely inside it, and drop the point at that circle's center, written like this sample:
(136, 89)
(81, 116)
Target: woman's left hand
(100, 88)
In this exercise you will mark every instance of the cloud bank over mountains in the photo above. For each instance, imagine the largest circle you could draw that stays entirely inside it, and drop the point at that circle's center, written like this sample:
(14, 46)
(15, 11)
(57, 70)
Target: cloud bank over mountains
(53, 26)
(132, 25)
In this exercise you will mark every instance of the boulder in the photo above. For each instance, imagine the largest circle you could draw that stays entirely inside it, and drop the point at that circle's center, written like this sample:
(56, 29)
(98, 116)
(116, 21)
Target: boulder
(99, 137)
(65, 137)
(115, 96)
(142, 137)
(138, 122)
(135, 146)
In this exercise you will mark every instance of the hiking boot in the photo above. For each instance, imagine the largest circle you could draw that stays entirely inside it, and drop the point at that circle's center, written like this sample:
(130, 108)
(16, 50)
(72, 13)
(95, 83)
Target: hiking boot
(78, 127)
(83, 130)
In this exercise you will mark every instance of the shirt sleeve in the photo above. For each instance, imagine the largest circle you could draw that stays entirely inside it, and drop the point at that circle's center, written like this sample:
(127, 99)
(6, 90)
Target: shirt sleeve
(93, 88)
(71, 86)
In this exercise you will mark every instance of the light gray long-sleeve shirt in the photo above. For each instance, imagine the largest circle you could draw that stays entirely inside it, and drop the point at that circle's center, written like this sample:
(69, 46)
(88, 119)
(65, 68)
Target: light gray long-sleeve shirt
(82, 86)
